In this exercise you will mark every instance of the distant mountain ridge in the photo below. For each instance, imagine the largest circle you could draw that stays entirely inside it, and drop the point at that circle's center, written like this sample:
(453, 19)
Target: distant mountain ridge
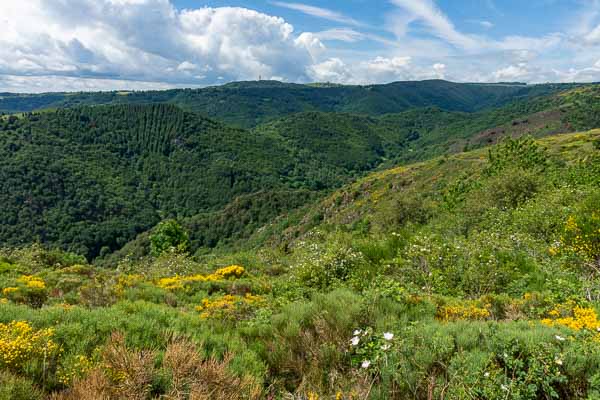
(248, 104)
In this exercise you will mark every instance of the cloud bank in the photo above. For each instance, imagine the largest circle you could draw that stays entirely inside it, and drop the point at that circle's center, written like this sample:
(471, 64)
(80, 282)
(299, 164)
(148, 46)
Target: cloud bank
(144, 44)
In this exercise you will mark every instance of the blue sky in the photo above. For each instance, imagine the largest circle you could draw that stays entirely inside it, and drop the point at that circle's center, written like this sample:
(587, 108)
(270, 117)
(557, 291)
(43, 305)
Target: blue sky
(510, 17)
(142, 44)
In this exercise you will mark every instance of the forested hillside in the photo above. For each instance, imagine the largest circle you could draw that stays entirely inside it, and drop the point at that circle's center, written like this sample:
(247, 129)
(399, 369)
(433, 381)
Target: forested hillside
(91, 179)
(247, 104)
(471, 275)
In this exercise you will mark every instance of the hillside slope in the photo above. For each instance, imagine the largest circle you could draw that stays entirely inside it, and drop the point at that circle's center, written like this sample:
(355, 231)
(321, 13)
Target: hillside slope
(89, 178)
(388, 200)
(468, 276)
(247, 104)
(126, 167)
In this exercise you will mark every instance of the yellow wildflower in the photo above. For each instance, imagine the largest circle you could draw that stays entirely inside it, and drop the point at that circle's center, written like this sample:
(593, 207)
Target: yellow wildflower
(179, 282)
(462, 312)
(78, 368)
(7, 291)
(229, 306)
(32, 282)
(19, 343)
(576, 318)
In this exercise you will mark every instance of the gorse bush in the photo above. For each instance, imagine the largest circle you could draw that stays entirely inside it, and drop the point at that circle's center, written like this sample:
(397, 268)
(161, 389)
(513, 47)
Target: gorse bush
(581, 232)
(411, 283)
(522, 153)
(20, 344)
(513, 187)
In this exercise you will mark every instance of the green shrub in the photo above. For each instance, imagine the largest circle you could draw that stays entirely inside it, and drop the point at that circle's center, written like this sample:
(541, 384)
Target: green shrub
(523, 153)
(513, 187)
(329, 265)
(14, 387)
(169, 235)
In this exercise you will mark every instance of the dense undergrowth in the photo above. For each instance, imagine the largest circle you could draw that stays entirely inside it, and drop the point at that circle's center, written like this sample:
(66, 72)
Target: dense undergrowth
(474, 276)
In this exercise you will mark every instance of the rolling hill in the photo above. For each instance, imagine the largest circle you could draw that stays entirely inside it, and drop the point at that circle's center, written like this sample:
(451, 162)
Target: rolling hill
(92, 178)
(464, 276)
(247, 104)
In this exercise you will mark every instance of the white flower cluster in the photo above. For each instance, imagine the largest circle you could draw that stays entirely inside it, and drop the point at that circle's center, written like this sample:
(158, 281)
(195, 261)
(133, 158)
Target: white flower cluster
(358, 334)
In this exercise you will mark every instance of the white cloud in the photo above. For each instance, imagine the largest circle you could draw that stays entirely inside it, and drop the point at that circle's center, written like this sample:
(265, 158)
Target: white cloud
(351, 36)
(440, 25)
(593, 37)
(149, 40)
(440, 70)
(378, 69)
(332, 70)
(311, 43)
(341, 34)
(136, 44)
(382, 69)
(511, 73)
(485, 24)
(318, 12)
(40, 84)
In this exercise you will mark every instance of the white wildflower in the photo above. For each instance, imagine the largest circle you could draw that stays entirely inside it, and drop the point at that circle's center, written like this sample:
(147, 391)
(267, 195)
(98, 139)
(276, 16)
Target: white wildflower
(560, 338)
(355, 340)
(388, 336)
(365, 364)
(357, 332)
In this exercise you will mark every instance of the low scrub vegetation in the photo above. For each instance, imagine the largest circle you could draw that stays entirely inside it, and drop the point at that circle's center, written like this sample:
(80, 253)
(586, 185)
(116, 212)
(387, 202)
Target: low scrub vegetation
(469, 277)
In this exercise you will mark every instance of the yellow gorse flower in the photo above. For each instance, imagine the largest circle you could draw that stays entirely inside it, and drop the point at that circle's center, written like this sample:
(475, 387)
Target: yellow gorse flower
(19, 343)
(228, 306)
(80, 367)
(572, 316)
(462, 312)
(7, 291)
(32, 282)
(179, 282)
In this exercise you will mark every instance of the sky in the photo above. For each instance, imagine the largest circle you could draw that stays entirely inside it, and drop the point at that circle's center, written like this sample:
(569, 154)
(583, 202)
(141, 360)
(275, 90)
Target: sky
(80, 45)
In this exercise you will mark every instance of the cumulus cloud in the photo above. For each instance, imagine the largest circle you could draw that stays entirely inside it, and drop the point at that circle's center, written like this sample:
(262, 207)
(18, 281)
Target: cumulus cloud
(378, 69)
(150, 40)
(440, 70)
(332, 70)
(141, 44)
(512, 73)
